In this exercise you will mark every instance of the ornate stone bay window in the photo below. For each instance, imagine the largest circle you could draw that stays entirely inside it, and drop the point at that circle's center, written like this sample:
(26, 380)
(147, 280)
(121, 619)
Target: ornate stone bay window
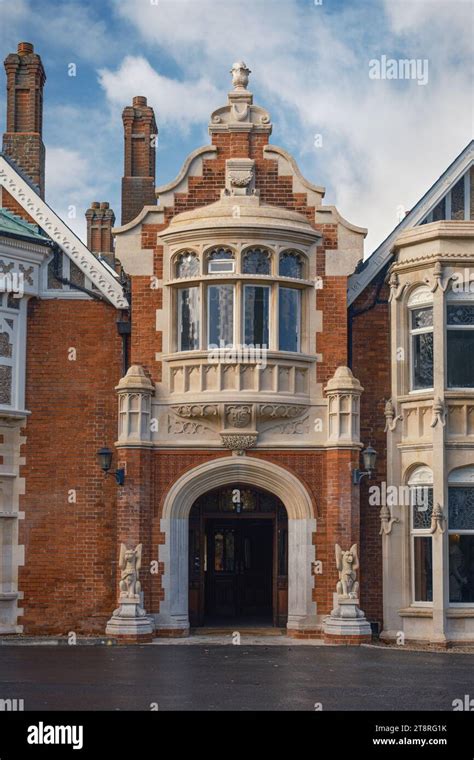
(428, 553)
(239, 320)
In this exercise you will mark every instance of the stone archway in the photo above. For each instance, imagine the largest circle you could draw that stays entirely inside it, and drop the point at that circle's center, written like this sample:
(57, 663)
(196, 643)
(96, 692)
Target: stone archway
(173, 615)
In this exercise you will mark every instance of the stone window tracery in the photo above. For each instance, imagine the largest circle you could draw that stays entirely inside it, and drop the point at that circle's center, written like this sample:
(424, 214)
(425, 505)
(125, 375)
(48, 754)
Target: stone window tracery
(187, 264)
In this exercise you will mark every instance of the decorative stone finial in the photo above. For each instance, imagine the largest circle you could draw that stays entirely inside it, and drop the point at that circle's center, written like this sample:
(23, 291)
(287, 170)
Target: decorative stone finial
(240, 75)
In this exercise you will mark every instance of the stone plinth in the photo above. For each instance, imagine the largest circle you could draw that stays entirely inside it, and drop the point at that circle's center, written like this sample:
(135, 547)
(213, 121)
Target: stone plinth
(129, 622)
(347, 623)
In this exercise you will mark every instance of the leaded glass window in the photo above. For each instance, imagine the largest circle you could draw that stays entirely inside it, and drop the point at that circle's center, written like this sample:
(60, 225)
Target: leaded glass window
(461, 508)
(423, 569)
(187, 264)
(460, 345)
(289, 315)
(421, 508)
(7, 358)
(421, 503)
(256, 261)
(220, 260)
(220, 315)
(291, 264)
(461, 544)
(256, 315)
(188, 319)
(422, 347)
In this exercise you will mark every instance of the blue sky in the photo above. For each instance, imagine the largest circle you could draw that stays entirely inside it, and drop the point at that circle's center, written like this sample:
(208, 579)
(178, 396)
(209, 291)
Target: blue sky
(384, 142)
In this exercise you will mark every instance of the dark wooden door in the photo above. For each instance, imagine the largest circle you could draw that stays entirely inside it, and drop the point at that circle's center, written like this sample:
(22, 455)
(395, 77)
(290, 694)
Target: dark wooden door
(239, 568)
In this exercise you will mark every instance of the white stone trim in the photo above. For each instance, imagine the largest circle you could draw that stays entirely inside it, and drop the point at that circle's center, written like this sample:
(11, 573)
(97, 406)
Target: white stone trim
(174, 523)
(58, 231)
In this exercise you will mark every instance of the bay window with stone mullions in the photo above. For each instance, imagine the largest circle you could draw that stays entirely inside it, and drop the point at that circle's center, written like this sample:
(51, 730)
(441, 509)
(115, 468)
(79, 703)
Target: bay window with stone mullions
(246, 300)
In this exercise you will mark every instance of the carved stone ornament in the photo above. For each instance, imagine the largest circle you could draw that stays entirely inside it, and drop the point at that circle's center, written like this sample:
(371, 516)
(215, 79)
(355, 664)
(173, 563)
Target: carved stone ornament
(240, 176)
(239, 442)
(238, 415)
(438, 279)
(240, 75)
(391, 418)
(195, 411)
(439, 413)
(396, 291)
(280, 411)
(347, 562)
(437, 519)
(130, 618)
(386, 520)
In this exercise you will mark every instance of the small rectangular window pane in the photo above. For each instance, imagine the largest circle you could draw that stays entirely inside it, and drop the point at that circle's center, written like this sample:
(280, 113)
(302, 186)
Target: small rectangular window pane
(221, 315)
(461, 314)
(422, 318)
(461, 568)
(423, 360)
(423, 569)
(289, 319)
(256, 315)
(461, 508)
(188, 319)
(421, 500)
(460, 354)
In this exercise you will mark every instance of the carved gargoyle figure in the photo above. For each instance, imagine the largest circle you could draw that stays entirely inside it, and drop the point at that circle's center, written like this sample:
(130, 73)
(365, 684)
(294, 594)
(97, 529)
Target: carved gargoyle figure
(130, 563)
(347, 562)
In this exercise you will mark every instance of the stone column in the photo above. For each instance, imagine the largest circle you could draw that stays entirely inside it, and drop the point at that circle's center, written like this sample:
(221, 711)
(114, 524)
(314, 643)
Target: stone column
(135, 501)
(440, 547)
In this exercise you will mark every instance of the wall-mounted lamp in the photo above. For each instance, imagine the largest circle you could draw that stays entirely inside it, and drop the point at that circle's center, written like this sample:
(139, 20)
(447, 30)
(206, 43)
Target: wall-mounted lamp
(369, 456)
(104, 455)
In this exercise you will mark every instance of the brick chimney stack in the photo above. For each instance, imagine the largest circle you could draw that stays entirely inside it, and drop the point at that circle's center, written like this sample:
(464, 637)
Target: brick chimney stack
(23, 140)
(140, 135)
(100, 220)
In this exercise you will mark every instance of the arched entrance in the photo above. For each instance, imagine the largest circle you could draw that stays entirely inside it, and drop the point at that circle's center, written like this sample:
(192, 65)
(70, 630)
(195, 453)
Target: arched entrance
(220, 473)
(238, 558)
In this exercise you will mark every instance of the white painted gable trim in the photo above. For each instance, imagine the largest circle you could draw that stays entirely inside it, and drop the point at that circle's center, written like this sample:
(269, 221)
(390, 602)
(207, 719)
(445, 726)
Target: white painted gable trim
(46, 218)
(382, 254)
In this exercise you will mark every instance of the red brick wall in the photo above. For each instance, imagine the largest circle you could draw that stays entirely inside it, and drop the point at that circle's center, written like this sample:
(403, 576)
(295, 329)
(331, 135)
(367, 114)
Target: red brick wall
(69, 575)
(371, 365)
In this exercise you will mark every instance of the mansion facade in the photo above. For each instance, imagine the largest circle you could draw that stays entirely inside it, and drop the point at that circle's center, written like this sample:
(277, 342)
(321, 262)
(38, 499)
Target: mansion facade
(291, 427)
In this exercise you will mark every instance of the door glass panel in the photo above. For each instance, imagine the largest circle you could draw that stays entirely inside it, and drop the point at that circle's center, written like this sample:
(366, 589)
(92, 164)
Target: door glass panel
(218, 552)
(229, 551)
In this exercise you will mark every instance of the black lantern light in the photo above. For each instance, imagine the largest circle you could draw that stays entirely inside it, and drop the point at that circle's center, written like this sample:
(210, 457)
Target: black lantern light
(104, 455)
(369, 457)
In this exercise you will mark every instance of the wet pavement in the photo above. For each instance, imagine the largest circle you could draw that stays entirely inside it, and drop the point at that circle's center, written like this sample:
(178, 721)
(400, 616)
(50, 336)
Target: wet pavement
(245, 677)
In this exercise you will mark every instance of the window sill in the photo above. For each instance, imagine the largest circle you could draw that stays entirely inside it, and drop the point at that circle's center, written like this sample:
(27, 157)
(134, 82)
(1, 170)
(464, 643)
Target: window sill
(426, 612)
(460, 612)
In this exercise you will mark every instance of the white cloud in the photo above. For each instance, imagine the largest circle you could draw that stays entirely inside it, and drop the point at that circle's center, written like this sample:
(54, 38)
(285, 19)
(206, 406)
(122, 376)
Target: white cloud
(384, 142)
(176, 103)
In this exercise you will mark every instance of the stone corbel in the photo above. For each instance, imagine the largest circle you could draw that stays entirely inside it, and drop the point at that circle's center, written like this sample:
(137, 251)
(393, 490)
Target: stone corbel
(386, 521)
(391, 418)
(439, 413)
(437, 520)
(239, 442)
(438, 279)
(396, 290)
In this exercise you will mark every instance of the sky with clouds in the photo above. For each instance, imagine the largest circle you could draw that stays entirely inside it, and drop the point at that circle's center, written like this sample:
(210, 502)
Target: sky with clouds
(382, 142)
